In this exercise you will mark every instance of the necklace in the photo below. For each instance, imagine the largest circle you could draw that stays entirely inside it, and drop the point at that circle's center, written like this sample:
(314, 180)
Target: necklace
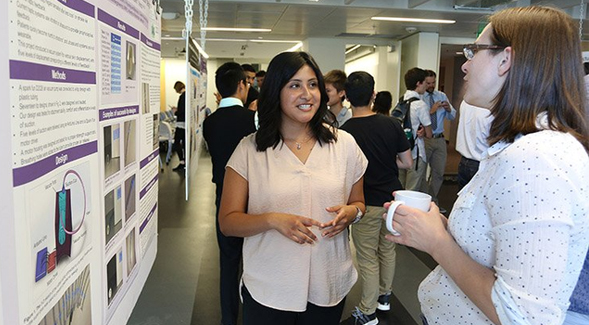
(298, 144)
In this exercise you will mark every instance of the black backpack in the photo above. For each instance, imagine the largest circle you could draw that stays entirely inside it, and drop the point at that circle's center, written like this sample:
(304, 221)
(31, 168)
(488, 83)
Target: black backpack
(402, 113)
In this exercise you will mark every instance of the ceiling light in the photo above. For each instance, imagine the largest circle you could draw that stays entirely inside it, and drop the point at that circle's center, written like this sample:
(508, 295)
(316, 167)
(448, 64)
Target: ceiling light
(227, 29)
(352, 49)
(415, 20)
(296, 47)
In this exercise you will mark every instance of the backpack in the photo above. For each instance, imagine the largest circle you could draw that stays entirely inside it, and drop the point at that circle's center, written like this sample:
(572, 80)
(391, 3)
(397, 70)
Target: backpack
(402, 113)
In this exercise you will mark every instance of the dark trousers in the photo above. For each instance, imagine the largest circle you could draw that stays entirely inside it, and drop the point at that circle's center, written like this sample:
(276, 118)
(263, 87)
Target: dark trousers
(229, 261)
(179, 143)
(257, 314)
(466, 170)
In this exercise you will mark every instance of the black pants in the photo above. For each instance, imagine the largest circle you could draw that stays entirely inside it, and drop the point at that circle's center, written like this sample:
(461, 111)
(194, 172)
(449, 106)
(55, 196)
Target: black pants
(229, 261)
(466, 170)
(179, 143)
(257, 314)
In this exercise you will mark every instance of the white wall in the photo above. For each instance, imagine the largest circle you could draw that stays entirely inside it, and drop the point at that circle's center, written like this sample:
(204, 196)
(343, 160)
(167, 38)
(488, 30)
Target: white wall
(175, 70)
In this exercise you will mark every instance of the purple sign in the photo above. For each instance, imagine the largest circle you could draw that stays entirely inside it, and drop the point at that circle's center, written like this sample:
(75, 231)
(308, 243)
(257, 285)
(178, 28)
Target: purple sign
(33, 71)
(117, 24)
(111, 113)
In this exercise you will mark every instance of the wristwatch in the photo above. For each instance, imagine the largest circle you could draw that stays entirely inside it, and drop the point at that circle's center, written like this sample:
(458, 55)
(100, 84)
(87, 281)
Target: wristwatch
(358, 215)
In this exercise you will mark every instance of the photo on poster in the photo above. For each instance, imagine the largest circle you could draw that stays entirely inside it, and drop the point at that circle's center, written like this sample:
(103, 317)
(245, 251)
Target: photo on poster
(74, 306)
(130, 129)
(131, 252)
(131, 61)
(155, 135)
(113, 213)
(114, 275)
(112, 150)
(145, 105)
(130, 194)
(59, 220)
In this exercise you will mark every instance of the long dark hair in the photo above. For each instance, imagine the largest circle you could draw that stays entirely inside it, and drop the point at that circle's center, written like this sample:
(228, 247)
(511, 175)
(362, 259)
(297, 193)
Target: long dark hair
(546, 74)
(280, 70)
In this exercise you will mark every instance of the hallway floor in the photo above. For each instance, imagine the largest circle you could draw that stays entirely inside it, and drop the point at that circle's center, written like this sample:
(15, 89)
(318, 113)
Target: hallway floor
(183, 286)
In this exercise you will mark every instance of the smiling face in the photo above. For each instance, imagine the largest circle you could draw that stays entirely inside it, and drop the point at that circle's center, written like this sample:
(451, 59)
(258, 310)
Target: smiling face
(430, 84)
(485, 73)
(300, 97)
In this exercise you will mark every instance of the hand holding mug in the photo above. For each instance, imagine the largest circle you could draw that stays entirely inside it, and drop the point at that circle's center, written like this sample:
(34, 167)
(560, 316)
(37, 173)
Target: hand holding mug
(414, 199)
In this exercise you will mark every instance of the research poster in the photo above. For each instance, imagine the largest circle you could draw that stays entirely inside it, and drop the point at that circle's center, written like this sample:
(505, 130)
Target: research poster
(196, 96)
(84, 103)
(128, 70)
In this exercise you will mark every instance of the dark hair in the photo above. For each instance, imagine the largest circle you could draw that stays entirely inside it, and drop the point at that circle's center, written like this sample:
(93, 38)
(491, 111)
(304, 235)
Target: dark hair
(179, 85)
(227, 77)
(413, 76)
(260, 73)
(546, 74)
(383, 103)
(359, 88)
(430, 73)
(281, 69)
(248, 68)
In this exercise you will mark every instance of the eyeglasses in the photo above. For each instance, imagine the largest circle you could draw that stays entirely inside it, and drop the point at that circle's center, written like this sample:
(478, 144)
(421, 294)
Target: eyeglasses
(470, 50)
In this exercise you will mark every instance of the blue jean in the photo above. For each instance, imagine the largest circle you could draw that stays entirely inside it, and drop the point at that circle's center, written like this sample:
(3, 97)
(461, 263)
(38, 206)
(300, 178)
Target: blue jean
(467, 168)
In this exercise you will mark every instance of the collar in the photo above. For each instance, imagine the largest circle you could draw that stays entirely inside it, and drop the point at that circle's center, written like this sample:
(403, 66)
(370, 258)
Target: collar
(411, 94)
(541, 124)
(230, 101)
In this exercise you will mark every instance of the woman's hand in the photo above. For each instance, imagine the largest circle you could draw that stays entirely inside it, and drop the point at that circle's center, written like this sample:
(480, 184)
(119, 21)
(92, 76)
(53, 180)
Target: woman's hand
(418, 229)
(345, 215)
(295, 228)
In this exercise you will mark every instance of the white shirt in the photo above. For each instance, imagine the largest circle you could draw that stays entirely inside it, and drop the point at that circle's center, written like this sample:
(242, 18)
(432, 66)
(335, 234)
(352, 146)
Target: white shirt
(278, 272)
(473, 130)
(419, 115)
(525, 214)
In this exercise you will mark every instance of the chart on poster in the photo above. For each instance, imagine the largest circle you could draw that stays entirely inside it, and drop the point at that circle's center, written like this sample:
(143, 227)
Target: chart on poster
(83, 111)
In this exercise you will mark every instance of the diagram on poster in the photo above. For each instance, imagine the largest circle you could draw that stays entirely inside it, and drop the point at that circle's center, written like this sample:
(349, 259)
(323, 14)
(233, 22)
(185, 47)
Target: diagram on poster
(74, 307)
(59, 215)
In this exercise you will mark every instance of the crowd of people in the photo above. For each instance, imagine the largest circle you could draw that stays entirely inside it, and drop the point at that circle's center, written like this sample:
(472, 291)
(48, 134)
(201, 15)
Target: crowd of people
(300, 175)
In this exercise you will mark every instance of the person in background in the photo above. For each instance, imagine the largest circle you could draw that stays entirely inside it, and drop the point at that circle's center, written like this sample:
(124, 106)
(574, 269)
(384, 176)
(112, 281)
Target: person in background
(414, 177)
(383, 103)
(436, 149)
(260, 75)
(471, 140)
(180, 134)
(335, 81)
(292, 189)
(518, 234)
(222, 131)
(384, 143)
(252, 94)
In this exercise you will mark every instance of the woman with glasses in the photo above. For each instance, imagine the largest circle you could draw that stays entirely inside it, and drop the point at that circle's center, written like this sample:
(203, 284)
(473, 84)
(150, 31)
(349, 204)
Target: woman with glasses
(292, 189)
(514, 245)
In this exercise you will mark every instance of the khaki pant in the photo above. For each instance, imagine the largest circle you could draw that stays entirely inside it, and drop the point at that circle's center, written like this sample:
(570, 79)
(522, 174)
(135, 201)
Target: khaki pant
(375, 256)
(413, 178)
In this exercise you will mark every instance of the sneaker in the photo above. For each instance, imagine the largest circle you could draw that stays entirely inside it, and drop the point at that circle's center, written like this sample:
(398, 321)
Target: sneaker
(359, 318)
(384, 303)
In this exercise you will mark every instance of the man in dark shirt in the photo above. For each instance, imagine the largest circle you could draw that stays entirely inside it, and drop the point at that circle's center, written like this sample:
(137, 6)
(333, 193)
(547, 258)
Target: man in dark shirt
(223, 130)
(180, 134)
(384, 144)
(252, 93)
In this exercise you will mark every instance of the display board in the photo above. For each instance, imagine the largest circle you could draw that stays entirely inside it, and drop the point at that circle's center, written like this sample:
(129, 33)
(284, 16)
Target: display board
(84, 91)
(196, 91)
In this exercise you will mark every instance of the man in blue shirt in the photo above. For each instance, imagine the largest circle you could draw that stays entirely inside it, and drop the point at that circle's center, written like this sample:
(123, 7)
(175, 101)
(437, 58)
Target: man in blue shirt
(435, 148)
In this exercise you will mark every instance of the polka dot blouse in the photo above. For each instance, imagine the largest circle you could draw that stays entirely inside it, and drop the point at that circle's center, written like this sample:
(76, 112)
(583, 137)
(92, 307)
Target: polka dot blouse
(525, 215)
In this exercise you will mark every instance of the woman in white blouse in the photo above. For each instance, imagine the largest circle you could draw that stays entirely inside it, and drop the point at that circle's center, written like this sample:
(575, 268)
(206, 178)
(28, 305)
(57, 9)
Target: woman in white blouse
(518, 233)
(291, 189)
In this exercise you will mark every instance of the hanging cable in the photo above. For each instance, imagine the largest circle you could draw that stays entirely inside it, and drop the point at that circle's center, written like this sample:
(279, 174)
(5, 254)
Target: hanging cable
(204, 12)
(581, 16)
(188, 4)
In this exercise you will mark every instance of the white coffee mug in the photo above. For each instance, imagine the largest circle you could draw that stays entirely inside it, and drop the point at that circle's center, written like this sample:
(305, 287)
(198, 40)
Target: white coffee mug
(413, 199)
